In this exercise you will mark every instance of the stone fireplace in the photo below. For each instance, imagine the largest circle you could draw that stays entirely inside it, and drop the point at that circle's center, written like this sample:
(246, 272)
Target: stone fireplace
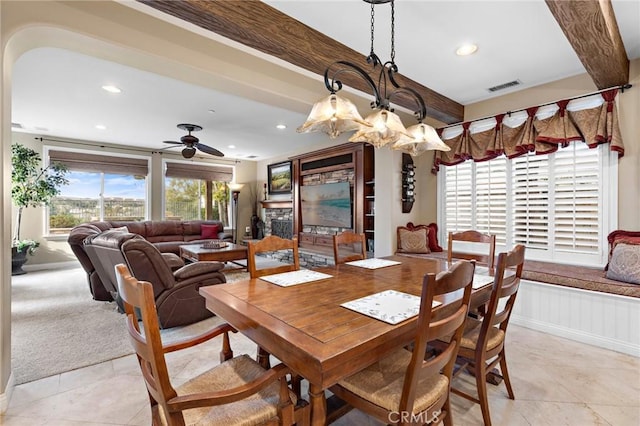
(282, 228)
(282, 218)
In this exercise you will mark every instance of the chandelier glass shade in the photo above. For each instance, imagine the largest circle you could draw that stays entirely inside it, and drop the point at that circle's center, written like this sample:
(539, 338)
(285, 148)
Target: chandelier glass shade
(423, 138)
(335, 115)
(385, 128)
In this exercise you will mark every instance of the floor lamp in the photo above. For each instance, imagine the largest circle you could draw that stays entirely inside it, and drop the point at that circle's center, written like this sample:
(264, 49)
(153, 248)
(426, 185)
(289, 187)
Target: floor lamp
(235, 193)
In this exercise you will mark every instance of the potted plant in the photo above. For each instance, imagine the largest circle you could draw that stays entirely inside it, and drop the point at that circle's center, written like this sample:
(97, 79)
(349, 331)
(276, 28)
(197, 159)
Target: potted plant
(31, 186)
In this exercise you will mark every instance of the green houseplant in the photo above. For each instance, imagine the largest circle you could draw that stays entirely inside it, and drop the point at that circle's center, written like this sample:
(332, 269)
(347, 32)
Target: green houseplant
(31, 186)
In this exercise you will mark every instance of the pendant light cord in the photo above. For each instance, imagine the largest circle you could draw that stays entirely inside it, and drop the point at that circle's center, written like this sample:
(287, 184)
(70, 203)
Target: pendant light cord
(393, 30)
(372, 27)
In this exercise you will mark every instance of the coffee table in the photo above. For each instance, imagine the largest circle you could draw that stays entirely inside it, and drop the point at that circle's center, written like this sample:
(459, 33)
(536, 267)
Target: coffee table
(197, 253)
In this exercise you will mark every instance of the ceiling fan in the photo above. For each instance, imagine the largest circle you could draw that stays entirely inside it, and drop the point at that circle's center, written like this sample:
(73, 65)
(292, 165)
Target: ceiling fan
(191, 143)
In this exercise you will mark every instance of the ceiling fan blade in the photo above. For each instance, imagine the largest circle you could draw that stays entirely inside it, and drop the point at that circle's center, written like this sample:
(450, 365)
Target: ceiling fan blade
(208, 150)
(172, 142)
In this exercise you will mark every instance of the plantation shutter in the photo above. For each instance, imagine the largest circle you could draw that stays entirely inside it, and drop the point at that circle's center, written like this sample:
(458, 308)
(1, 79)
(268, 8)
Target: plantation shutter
(458, 197)
(213, 173)
(530, 201)
(577, 202)
(491, 198)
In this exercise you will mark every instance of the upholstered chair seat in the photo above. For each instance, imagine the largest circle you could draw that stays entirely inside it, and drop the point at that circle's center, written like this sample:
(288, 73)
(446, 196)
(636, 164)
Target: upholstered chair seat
(382, 382)
(495, 336)
(256, 409)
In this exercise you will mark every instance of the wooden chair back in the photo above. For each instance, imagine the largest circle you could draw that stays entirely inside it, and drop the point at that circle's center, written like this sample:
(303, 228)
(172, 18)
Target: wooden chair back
(269, 244)
(421, 366)
(503, 294)
(484, 349)
(431, 326)
(138, 295)
(352, 239)
(166, 406)
(486, 258)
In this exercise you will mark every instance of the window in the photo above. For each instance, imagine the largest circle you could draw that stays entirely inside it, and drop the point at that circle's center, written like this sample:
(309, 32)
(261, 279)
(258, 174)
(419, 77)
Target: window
(193, 192)
(561, 206)
(100, 188)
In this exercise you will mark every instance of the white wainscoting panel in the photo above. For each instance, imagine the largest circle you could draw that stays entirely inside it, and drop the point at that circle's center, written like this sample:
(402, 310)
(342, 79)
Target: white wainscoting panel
(606, 320)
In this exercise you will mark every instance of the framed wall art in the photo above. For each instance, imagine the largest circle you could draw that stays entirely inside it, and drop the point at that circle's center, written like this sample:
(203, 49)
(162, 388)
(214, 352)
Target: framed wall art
(279, 178)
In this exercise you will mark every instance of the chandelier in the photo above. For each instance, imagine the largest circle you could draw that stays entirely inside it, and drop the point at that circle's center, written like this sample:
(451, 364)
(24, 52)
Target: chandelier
(335, 115)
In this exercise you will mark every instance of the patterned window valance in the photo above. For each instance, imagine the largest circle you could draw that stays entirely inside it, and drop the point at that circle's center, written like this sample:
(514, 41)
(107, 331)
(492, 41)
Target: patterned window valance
(540, 129)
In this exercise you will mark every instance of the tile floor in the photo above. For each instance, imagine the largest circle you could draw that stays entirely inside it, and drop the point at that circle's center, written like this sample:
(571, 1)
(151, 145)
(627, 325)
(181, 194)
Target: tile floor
(556, 382)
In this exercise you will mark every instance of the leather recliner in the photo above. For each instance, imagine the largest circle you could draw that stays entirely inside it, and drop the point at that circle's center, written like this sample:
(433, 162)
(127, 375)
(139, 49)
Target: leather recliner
(176, 292)
(166, 235)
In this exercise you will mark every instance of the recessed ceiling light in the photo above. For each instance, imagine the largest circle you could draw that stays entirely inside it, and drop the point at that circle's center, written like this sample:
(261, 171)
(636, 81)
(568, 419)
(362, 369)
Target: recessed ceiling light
(231, 147)
(466, 49)
(111, 89)
(101, 127)
(281, 126)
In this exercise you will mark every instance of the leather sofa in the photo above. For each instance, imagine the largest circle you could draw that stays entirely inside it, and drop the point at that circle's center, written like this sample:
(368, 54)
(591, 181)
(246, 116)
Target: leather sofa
(176, 295)
(166, 235)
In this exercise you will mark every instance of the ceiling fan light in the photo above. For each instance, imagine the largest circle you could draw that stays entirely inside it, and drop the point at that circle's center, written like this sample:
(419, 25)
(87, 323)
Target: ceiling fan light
(188, 152)
(333, 115)
(386, 128)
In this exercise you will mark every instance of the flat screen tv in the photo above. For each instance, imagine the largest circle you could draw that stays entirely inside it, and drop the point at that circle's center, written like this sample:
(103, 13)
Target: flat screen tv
(327, 204)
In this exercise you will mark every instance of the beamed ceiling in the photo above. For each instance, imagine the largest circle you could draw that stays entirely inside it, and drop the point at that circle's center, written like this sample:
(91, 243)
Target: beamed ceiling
(534, 41)
(590, 26)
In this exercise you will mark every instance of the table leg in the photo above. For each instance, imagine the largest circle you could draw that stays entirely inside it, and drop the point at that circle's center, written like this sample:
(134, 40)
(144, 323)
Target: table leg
(318, 405)
(263, 358)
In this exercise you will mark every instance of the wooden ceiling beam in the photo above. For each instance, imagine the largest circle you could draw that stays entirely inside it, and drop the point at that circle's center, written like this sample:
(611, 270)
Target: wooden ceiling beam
(264, 28)
(591, 28)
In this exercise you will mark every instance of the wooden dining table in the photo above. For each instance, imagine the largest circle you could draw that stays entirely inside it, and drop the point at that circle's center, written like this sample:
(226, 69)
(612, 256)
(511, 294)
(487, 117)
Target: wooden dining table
(305, 327)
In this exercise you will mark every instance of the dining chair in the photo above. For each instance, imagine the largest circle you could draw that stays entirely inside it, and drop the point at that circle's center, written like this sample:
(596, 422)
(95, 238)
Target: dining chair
(486, 257)
(352, 239)
(272, 243)
(410, 385)
(237, 391)
(482, 345)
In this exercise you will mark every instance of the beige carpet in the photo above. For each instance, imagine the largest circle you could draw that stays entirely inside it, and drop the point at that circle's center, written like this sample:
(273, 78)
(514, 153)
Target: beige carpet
(58, 327)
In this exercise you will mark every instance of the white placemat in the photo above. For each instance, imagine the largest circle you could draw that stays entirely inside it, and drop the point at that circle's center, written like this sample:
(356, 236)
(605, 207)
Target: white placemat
(373, 263)
(302, 276)
(481, 280)
(389, 306)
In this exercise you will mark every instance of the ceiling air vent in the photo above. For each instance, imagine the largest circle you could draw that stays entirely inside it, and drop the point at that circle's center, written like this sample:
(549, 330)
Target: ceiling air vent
(16, 126)
(504, 86)
(252, 156)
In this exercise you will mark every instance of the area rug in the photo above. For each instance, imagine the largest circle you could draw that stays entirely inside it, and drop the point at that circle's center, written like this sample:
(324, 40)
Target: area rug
(57, 326)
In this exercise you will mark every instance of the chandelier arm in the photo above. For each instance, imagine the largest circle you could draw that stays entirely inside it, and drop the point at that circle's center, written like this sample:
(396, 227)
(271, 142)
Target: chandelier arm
(421, 112)
(334, 85)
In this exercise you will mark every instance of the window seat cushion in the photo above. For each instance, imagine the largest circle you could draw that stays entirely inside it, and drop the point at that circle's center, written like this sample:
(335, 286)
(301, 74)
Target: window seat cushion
(582, 277)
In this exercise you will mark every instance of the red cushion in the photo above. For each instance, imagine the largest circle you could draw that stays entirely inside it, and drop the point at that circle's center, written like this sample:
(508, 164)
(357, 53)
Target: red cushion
(433, 237)
(209, 231)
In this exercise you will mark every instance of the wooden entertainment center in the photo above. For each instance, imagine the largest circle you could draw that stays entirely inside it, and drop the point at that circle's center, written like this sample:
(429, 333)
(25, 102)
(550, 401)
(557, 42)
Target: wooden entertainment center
(352, 162)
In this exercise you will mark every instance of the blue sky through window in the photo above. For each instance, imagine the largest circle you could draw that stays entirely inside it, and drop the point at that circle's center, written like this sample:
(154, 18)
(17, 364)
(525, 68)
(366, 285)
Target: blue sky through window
(87, 185)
